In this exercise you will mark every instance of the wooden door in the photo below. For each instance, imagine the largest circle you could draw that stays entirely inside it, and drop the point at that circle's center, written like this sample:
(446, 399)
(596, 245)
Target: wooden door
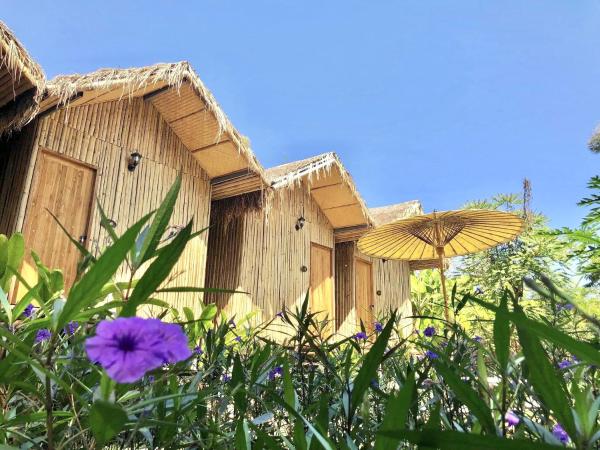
(363, 288)
(64, 187)
(321, 282)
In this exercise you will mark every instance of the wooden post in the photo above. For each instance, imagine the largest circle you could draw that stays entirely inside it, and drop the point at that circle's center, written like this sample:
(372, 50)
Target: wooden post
(440, 252)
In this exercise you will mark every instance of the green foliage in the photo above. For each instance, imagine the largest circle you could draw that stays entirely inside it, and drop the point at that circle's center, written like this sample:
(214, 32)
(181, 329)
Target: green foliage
(306, 389)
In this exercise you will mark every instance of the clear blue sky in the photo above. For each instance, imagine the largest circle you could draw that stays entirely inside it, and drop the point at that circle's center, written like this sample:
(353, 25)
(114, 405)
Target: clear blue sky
(442, 101)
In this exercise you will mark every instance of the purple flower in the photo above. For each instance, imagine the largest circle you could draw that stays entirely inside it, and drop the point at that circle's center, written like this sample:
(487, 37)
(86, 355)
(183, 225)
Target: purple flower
(28, 311)
(175, 342)
(238, 339)
(431, 354)
(276, 372)
(128, 347)
(361, 335)
(280, 314)
(512, 419)
(429, 331)
(150, 378)
(564, 307)
(42, 335)
(198, 350)
(564, 364)
(231, 323)
(226, 378)
(71, 328)
(560, 434)
(478, 339)
(378, 327)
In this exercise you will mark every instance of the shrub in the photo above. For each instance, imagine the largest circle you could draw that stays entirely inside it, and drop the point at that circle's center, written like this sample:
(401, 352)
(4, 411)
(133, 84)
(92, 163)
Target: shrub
(84, 372)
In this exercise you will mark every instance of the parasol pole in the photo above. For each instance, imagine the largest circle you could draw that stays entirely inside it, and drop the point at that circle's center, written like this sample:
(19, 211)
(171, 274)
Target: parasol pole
(439, 247)
(440, 252)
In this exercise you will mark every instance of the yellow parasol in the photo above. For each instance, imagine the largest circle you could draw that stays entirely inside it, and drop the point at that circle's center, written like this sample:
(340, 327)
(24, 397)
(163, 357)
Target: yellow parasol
(440, 235)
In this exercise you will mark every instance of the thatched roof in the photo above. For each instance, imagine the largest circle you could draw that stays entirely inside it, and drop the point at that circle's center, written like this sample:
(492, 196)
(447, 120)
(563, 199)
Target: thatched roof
(21, 83)
(331, 186)
(594, 143)
(180, 96)
(391, 213)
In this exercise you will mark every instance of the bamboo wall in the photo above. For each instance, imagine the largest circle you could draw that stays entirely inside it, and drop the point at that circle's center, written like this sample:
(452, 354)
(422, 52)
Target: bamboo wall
(104, 135)
(259, 251)
(390, 278)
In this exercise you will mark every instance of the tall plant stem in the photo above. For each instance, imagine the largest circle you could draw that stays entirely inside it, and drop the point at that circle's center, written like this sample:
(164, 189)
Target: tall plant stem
(49, 405)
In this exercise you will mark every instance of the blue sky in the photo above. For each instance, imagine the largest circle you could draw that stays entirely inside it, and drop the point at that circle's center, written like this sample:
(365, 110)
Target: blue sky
(441, 101)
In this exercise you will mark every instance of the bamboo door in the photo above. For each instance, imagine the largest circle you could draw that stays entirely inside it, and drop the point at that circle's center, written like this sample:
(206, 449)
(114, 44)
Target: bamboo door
(64, 187)
(321, 283)
(364, 292)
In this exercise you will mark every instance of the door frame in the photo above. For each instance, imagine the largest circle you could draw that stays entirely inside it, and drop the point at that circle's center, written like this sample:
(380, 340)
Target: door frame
(33, 184)
(332, 270)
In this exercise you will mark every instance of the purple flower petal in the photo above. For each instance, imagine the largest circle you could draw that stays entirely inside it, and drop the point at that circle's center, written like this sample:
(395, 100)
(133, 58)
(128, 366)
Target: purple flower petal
(560, 434)
(429, 331)
(42, 335)
(129, 347)
(511, 419)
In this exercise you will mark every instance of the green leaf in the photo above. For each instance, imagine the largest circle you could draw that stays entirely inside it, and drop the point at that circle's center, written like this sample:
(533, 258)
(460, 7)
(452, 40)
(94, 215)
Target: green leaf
(86, 290)
(454, 440)
(468, 396)
(158, 271)
(14, 251)
(84, 251)
(106, 420)
(239, 389)
(200, 289)
(263, 440)
(370, 364)
(323, 440)
(396, 414)
(242, 435)
(6, 306)
(209, 312)
(502, 334)
(542, 376)
(159, 225)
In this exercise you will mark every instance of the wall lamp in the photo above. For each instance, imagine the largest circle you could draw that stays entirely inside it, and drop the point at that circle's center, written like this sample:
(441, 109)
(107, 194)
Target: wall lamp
(300, 223)
(134, 161)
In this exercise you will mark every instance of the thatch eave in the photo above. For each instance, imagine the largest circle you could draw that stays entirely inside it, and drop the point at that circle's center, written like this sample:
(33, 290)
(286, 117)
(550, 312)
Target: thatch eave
(151, 82)
(22, 86)
(324, 172)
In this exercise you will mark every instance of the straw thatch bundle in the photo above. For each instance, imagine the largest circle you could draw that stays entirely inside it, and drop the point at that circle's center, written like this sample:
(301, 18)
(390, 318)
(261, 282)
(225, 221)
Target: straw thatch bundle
(312, 169)
(23, 86)
(132, 80)
(392, 213)
(594, 144)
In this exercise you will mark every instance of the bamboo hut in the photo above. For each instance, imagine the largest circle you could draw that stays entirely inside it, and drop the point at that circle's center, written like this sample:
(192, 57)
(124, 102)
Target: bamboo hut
(369, 288)
(275, 245)
(121, 136)
(21, 83)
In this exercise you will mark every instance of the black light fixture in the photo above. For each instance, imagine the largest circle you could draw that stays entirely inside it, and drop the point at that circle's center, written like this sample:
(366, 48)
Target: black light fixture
(134, 160)
(300, 223)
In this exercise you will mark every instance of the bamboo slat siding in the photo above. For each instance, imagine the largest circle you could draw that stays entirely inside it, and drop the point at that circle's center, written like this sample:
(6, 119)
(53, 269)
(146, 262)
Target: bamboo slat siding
(261, 252)
(104, 135)
(391, 278)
